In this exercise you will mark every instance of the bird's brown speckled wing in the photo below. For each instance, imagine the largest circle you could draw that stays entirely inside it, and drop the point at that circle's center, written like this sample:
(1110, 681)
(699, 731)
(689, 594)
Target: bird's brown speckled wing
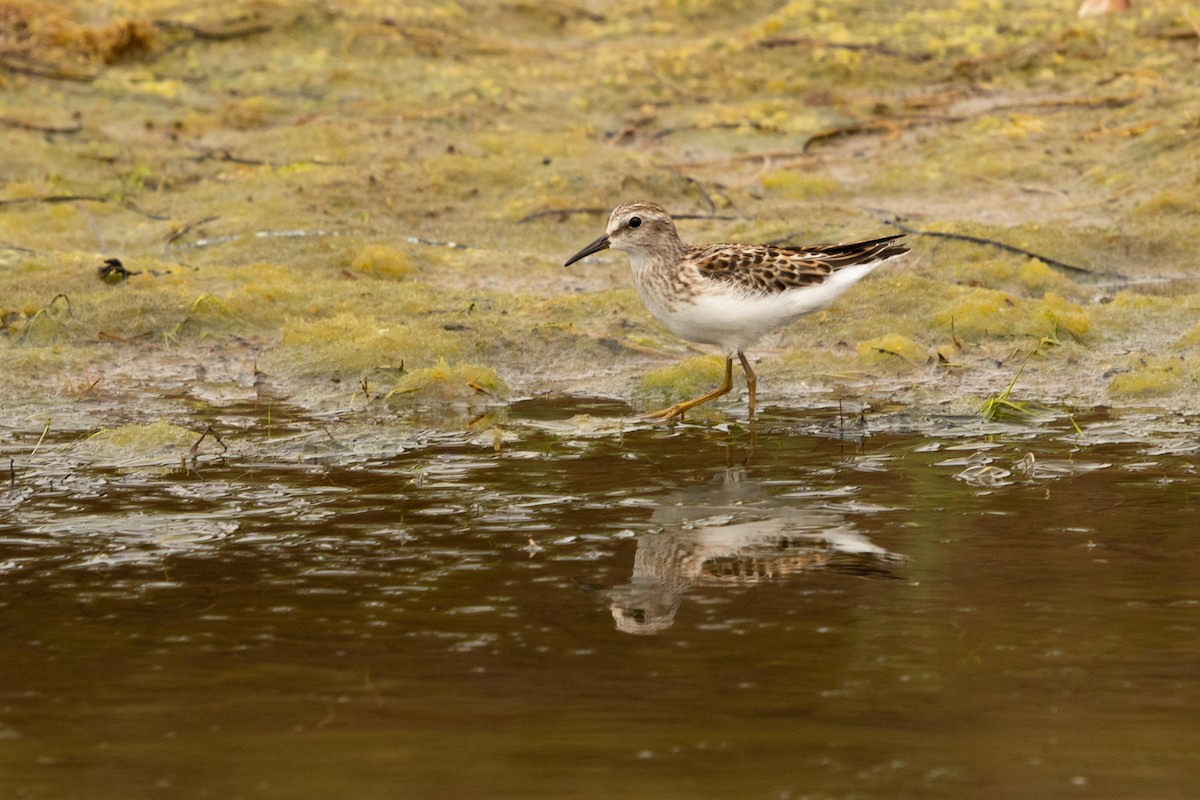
(770, 269)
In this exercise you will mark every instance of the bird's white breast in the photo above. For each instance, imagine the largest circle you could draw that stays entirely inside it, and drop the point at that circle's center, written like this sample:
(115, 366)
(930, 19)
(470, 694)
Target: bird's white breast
(734, 318)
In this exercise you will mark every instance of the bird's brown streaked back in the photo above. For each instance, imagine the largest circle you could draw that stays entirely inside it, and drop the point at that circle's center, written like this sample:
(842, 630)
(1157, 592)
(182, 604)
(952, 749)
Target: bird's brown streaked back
(771, 268)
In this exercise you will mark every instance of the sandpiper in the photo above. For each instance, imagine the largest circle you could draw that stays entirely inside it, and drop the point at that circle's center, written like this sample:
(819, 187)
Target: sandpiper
(730, 294)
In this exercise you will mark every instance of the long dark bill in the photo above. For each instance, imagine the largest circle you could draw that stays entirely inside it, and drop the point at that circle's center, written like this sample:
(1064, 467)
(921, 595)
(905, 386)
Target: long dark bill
(594, 247)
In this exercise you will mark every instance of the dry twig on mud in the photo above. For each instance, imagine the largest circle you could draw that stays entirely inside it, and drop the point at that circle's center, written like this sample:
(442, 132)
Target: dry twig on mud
(561, 213)
(1008, 248)
(227, 30)
(37, 127)
(859, 47)
(51, 198)
(853, 129)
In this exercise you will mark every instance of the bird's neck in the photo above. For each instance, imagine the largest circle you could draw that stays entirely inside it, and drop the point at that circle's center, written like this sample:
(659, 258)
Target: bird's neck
(664, 256)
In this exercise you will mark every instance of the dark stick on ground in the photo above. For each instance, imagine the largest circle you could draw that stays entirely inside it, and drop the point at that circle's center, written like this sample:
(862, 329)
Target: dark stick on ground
(1009, 248)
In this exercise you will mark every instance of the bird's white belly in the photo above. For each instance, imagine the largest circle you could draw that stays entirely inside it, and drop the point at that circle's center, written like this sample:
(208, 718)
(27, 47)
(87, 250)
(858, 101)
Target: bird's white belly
(736, 319)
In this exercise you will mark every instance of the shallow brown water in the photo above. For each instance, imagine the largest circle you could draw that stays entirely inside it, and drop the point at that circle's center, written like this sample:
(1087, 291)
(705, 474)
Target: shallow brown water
(822, 610)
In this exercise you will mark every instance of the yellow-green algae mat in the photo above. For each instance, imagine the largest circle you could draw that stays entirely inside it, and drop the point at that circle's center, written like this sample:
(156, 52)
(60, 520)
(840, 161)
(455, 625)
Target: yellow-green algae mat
(366, 205)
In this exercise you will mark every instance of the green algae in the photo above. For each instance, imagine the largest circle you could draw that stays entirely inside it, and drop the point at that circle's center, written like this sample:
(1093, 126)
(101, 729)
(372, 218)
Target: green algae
(894, 350)
(348, 190)
(347, 345)
(138, 441)
(457, 383)
(383, 261)
(1153, 377)
(796, 185)
(689, 378)
(1147, 321)
(1189, 339)
(978, 314)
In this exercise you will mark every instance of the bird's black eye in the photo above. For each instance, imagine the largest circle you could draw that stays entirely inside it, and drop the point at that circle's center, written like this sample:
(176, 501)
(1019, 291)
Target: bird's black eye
(635, 222)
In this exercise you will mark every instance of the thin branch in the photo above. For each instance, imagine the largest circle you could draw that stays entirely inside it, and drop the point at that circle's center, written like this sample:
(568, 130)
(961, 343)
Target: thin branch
(894, 221)
(186, 229)
(845, 131)
(665, 132)
(89, 198)
(39, 70)
(24, 125)
(1009, 248)
(216, 34)
(222, 154)
(712, 207)
(560, 212)
(861, 47)
(52, 198)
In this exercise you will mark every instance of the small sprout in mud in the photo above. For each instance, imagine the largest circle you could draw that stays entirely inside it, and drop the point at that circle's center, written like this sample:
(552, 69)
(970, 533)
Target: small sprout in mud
(999, 406)
(41, 439)
(113, 271)
(954, 336)
(1071, 419)
(945, 363)
(82, 390)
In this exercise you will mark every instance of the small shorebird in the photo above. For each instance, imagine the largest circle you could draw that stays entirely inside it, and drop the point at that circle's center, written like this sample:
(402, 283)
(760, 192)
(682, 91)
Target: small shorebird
(730, 294)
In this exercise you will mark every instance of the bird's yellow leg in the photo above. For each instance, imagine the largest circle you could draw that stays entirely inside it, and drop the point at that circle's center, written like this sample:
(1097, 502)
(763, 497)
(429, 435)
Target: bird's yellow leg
(751, 380)
(678, 409)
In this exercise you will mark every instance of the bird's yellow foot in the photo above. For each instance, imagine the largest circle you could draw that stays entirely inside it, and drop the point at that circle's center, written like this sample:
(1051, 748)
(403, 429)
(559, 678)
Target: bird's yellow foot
(667, 414)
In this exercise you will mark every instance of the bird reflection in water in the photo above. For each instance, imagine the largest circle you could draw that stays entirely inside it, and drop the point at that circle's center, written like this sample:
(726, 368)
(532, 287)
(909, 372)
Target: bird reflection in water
(732, 532)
